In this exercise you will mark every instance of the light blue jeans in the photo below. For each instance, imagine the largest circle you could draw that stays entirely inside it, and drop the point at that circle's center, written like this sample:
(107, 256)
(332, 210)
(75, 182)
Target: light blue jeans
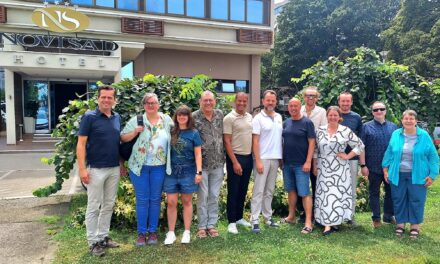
(148, 189)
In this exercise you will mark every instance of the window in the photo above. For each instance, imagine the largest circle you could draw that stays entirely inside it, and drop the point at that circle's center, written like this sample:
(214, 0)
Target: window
(231, 86)
(127, 70)
(176, 7)
(105, 3)
(155, 6)
(127, 4)
(255, 11)
(219, 9)
(241, 86)
(237, 10)
(82, 2)
(195, 8)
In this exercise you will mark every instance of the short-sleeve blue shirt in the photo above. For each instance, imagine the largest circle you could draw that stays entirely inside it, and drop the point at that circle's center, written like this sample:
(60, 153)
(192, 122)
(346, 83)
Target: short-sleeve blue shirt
(296, 135)
(182, 153)
(102, 132)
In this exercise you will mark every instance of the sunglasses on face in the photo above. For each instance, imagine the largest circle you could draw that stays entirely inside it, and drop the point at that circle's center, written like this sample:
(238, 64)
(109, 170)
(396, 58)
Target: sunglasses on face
(379, 109)
(310, 95)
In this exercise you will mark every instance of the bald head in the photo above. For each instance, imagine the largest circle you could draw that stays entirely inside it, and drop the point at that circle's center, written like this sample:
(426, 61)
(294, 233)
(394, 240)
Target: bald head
(295, 108)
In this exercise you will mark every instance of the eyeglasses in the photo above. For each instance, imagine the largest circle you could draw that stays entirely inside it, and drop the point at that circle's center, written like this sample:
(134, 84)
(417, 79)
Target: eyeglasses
(379, 109)
(310, 95)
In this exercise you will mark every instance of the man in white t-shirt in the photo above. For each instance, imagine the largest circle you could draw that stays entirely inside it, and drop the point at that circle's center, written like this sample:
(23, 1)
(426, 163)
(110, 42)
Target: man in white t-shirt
(267, 128)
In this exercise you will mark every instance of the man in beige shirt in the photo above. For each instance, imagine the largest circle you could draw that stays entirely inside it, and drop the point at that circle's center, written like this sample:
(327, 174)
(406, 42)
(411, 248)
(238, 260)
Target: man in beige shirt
(237, 137)
(319, 118)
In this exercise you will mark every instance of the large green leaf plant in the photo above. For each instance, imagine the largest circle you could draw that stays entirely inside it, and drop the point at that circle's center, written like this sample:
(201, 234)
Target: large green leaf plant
(172, 93)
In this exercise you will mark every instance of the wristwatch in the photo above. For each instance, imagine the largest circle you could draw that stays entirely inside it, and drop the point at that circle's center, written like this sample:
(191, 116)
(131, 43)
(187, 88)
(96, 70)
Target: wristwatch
(199, 173)
(363, 165)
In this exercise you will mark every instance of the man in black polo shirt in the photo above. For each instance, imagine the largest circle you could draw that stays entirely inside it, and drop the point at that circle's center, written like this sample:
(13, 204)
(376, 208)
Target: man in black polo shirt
(98, 161)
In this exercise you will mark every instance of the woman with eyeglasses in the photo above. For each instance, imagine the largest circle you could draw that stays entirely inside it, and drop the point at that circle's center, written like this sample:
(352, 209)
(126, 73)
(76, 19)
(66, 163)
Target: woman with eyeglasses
(148, 163)
(410, 165)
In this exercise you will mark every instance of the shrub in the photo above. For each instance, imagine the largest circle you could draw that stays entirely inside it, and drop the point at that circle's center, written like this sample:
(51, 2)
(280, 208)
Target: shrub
(124, 215)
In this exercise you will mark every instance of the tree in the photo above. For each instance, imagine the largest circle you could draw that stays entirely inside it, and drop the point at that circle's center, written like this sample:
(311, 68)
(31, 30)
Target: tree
(313, 30)
(369, 79)
(414, 36)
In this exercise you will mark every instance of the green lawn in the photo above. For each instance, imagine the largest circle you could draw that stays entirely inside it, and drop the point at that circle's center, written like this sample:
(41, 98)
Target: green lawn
(362, 244)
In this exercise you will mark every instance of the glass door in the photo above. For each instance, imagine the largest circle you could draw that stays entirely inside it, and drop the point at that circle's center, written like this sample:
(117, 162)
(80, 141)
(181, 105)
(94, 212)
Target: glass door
(36, 106)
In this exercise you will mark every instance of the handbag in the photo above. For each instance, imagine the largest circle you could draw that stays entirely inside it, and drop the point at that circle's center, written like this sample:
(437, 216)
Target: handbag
(125, 148)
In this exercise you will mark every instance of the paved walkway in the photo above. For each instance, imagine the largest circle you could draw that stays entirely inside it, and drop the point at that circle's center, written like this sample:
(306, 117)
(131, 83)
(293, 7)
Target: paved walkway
(26, 145)
(23, 237)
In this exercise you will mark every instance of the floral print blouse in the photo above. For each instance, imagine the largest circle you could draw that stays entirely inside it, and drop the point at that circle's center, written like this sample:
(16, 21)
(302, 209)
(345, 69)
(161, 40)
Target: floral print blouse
(153, 144)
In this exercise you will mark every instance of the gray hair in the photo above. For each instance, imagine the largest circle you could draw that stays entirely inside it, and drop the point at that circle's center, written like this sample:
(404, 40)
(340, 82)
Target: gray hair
(410, 112)
(148, 96)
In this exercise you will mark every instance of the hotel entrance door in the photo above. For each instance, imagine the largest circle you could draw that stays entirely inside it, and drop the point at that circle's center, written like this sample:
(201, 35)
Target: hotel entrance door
(43, 102)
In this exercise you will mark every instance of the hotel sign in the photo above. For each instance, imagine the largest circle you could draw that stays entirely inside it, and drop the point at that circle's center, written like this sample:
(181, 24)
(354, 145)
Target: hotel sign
(59, 42)
(60, 19)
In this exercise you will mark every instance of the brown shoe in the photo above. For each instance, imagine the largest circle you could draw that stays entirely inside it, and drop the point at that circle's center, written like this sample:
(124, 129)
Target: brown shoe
(377, 223)
(108, 243)
(96, 250)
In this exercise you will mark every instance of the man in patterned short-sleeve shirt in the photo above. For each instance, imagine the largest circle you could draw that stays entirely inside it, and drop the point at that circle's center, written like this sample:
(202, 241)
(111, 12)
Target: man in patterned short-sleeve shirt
(209, 122)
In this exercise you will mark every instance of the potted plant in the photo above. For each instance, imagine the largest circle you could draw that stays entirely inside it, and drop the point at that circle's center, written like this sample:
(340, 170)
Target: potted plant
(30, 114)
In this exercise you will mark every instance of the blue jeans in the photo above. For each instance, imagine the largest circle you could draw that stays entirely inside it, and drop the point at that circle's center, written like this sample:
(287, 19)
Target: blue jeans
(408, 200)
(148, 189)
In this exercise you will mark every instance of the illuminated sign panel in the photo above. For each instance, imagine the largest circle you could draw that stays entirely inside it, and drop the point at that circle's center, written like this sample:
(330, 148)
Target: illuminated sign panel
(60, 19)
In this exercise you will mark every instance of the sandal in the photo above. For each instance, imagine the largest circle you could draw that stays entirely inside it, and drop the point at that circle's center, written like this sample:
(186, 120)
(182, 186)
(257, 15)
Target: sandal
(414, 233)
(399, 231)
(287, 221)
(306, 230)
(212, 232)
(201, 233)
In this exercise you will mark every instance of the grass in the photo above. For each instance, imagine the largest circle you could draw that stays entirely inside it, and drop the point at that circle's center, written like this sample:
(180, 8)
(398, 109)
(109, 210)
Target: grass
(361, 244)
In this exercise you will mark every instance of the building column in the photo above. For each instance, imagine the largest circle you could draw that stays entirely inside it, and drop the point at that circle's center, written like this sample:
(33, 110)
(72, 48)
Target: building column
(11, 135)
(118, 53)
(255, 81)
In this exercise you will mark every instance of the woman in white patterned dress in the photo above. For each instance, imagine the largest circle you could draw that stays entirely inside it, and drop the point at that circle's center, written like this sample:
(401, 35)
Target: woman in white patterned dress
(333, 198)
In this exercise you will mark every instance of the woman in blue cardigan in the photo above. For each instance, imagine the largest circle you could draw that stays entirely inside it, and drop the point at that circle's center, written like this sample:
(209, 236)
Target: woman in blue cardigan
(410, 164)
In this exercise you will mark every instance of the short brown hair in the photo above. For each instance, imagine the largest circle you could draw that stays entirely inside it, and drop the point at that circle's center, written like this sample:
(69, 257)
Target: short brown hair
(269, 92)
(107, 88)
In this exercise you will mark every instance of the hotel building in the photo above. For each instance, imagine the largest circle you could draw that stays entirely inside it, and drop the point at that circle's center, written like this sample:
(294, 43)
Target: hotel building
(51, 52)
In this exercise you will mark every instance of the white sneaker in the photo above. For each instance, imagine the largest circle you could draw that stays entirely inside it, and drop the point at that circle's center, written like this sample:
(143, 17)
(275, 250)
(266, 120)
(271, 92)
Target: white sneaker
(232, 228)
(186, 237)
(243, 223)
(170, 238)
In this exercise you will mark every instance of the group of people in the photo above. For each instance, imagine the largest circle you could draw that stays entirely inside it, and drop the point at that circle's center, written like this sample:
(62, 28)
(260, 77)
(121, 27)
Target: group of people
(318, 151)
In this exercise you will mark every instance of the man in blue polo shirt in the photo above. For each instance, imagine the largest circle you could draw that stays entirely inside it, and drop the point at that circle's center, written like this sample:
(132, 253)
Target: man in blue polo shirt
(376, 135)
(97, 152)
(353, 121)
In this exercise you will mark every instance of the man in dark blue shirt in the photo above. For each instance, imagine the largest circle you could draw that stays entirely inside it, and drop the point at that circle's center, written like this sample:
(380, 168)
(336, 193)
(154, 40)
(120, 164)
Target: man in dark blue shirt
(98, 163)
(298, 146)
(353, 121)
(376, 135)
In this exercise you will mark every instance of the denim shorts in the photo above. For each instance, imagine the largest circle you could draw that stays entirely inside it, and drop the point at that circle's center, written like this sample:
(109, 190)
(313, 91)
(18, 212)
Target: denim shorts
(296, 180)
(181, 180)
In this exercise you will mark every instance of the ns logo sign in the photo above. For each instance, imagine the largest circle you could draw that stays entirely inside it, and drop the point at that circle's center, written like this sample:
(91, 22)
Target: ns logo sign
(60, 19)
